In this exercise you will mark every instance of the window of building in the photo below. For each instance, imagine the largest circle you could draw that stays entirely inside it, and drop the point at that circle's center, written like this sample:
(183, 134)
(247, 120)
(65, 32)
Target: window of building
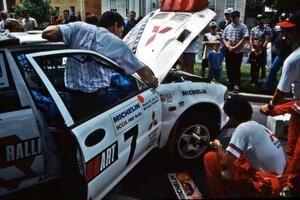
(230, 4)
(127, 6)
(212, 4)
(142, 7)
(113, 5)
(57, 11)
(72, 10)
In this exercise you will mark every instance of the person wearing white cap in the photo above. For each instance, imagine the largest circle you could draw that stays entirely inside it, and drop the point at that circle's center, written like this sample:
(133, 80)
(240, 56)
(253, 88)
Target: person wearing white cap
(227, 20)
(208, 40)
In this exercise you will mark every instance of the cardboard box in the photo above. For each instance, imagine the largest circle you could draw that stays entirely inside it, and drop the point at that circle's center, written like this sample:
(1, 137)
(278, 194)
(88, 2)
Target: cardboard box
(279, 125)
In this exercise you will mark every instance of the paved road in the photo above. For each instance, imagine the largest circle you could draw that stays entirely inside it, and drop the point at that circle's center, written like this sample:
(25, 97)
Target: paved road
(149, 179)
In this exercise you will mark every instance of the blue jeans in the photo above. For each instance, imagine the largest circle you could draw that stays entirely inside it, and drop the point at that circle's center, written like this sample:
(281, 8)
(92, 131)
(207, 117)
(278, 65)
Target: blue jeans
(276, 65)
(214, 74)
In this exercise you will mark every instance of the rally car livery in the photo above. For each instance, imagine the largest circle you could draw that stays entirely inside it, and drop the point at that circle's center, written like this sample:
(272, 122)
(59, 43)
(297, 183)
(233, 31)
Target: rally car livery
(43, 138)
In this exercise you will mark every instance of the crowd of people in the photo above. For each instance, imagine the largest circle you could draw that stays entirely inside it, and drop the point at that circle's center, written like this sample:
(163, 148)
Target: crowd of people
(233, 36)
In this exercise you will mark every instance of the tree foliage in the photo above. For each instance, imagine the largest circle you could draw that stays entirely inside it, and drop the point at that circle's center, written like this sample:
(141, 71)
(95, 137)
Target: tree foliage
(282, 5)
(41, 10)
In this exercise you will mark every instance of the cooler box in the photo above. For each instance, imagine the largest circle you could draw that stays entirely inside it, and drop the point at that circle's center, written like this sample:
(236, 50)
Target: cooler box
(279, 125)
(183, 5)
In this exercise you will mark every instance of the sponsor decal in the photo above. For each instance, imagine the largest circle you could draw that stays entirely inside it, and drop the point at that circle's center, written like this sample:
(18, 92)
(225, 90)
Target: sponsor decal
(153, 122)
(20, 154)
(127, 117)
(149, 103)
(156, 30)
(194, 92)
(101, 162)
(184, 186)
(141, 99)
(23, 149)
(166, 98)
(152, 138)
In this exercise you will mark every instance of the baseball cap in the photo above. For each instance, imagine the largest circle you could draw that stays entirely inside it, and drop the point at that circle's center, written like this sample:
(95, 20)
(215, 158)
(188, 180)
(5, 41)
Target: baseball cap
(292, 21)
(228, 11)
(212, 24)
(259, 16)
(235, 13)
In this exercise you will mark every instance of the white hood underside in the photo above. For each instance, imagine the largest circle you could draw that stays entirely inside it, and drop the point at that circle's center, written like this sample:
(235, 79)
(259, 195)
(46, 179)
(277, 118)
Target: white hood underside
(161, 37)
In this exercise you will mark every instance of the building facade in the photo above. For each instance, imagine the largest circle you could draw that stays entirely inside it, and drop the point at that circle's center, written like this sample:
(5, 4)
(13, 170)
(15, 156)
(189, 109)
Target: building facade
(75, 6)
(141, 7)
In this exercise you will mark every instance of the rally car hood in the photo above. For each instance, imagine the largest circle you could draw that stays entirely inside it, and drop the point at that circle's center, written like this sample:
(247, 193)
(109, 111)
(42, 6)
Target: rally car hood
(160, 38)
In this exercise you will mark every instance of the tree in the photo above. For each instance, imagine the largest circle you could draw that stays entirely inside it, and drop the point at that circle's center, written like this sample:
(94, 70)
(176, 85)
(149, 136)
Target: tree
(41, 10)
(282, 5)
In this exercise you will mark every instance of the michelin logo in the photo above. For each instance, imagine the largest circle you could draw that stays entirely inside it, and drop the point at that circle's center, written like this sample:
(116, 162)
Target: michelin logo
(127, 117)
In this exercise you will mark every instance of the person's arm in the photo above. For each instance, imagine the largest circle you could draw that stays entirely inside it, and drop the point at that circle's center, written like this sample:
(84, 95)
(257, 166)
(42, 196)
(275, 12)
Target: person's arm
(239, 44)
(251, 42)
(225, 158)
(277, 98)
(52, 33)
(147, 75)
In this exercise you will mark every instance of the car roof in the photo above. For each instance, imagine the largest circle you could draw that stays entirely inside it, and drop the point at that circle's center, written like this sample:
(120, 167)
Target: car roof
(22, 38)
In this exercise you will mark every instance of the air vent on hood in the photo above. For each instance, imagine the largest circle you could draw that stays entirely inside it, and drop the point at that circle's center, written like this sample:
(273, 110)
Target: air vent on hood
(160, 16)
(180, 17)
(185, 33)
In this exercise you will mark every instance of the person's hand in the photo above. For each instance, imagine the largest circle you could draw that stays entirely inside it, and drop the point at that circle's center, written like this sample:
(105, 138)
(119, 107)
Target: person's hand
(265, 109)
(153, 83)
(215, 144)
(230, 48)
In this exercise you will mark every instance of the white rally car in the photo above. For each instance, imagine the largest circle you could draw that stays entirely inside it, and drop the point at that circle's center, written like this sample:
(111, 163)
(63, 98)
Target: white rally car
(42, 138)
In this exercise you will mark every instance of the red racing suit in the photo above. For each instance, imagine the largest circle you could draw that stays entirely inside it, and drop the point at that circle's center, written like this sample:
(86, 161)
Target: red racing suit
(293, 144)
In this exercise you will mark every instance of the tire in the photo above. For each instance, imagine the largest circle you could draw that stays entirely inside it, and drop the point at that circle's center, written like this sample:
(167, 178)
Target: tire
(191, 135)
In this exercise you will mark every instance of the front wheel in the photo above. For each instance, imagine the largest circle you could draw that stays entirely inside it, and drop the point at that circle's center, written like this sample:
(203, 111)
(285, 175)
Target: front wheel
(191, 135)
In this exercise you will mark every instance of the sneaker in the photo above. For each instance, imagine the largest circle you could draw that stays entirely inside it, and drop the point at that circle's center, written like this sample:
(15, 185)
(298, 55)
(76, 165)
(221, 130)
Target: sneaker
(236, 88)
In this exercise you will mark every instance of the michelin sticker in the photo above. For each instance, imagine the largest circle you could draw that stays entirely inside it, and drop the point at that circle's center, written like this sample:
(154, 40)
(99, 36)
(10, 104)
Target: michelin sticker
(127, 117)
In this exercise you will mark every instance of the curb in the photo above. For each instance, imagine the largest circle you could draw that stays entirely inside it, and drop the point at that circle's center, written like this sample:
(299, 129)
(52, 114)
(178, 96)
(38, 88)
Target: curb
(257, 97)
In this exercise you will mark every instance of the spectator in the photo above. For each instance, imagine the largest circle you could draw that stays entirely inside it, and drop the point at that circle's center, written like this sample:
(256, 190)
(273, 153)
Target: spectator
(260, 36)
(80, 35)
(29, 23)
(227, 20)
(13, 25)
(91, 19)
(215, 60)
(208, 40)
(66, 16)
(234, 37)
(188, 58)
(3, 16)
(280, 51)
(253, 154)
(290, 81)
(130, 22)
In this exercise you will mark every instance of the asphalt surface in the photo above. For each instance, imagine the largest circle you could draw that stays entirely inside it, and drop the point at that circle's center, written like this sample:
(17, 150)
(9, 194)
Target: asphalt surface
(148, 180)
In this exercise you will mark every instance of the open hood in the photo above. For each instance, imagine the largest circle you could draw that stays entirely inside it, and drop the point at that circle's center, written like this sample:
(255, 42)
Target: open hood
(160, 38)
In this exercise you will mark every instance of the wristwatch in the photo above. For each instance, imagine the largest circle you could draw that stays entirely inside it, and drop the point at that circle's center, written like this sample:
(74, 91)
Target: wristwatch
(271, 105)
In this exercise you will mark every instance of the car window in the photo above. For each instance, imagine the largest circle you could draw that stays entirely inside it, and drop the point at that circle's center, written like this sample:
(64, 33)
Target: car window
(121, 86)
(9, 99)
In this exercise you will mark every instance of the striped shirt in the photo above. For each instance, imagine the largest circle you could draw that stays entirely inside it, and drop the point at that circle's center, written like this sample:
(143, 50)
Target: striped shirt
(259, 33)
(89, 77)
(259, 145)
(233, 33)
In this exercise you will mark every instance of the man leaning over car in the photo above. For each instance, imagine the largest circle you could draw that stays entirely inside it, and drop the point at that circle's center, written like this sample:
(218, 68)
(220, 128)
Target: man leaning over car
(80, 35)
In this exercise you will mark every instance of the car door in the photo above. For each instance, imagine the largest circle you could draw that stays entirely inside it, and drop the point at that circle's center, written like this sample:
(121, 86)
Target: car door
(21, 160)
(114, 137)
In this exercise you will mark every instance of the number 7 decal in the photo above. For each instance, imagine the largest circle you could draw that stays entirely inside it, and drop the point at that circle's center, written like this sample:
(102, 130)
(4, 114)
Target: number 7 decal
(133, 132)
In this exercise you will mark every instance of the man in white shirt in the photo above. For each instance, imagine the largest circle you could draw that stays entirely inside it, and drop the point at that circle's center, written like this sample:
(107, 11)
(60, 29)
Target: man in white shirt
(85, 80)
(290, 82)
(29, 23)
(251, 144)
